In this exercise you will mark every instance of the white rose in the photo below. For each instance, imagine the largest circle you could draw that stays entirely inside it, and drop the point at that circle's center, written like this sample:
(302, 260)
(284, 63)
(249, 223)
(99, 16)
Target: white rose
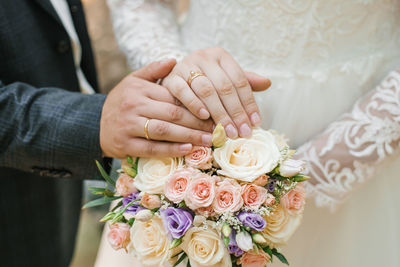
(291, 167)
(244, 241)
(205, 247)
(154, 172)
(150, 243)
(247, 159)
(280, 226)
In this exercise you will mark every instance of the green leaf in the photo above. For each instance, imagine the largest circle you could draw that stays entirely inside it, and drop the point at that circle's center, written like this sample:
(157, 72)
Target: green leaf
(181, 258)
(117, 206)
(131, 221)
(129, 160)
(226, 241)
(268, 251)
(280, 256)
(108, 216)
(100, 201)
(105, 175)
(181, 204)
(97, 190)
(137, 162)
(188, 263)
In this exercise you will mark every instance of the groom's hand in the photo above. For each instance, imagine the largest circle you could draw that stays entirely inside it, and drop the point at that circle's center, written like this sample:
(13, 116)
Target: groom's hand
(137, 99)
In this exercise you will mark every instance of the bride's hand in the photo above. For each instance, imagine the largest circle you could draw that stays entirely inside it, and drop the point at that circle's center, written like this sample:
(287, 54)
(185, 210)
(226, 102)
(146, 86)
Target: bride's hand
(137, 99)
(224, 91)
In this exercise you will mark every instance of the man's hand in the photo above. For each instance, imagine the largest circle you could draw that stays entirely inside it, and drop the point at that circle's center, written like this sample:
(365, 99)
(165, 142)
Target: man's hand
(138, 98)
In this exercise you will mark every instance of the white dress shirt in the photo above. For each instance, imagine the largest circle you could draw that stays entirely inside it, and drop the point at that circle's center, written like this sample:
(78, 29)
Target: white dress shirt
(63, 12)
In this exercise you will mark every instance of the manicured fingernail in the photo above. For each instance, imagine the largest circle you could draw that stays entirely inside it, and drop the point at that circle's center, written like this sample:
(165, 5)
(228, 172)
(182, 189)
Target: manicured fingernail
(231, 131)
(255, 119)
(206, 139)
(245, 130)
(185, 148)
(204, 114)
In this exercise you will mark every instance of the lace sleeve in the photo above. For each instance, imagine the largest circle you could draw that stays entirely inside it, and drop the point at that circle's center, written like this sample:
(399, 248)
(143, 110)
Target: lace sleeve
(348, 151)
(146, 30)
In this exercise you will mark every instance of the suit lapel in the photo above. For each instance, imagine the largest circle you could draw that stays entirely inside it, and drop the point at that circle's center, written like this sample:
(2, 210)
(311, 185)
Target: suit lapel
(48, 7)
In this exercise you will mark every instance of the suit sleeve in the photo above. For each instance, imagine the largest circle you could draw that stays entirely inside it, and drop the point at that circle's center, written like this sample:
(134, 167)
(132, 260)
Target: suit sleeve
(49, 130)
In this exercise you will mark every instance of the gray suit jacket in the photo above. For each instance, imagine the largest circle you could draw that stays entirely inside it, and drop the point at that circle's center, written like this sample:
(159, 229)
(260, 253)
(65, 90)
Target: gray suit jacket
(49, 133)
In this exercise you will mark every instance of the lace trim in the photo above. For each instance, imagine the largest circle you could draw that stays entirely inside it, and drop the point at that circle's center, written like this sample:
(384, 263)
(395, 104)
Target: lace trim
(347, 153)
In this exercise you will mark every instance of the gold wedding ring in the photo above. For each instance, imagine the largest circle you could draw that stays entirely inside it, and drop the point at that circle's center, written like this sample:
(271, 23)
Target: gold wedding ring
(146, 129)
(194, 75)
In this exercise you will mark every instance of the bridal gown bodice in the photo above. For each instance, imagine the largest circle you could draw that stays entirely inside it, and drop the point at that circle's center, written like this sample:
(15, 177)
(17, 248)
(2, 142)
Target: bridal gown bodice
(322, 57)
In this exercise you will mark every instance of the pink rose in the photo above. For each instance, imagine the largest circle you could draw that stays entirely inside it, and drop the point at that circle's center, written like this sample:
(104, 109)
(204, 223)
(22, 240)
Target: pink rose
(176, 185)
(200, 158)
(206, 211)
(252, 259)
(262, 180)
(253, 195)
(294, 200)
(270, 200)
(118, 237)
(227, 197)
(124, 185)
(150, 201)
(200, 192)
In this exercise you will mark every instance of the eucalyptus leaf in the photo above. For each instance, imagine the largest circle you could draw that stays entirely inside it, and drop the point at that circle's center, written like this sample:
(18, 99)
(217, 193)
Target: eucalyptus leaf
(181, 258)
(97, 190)
(100, 201)
(280, 256)
(268, 251)
(105, 175)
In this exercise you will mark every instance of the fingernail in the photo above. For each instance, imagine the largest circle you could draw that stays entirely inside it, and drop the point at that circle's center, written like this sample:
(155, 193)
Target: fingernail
(213, 127)
(165, 60)
(206, 139)
(204, 114)
(231, 131)
(185, 148)
(245, 130)
(255, 119)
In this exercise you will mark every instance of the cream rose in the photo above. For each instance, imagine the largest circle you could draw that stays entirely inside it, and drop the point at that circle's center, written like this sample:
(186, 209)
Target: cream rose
(247, 159)
(150, 243)
(280, 226)
(205, 247)
(154, 172)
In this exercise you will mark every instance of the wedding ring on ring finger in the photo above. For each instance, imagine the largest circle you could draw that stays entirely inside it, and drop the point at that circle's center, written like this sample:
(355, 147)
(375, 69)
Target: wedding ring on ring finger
(194, 75)
(146, 129)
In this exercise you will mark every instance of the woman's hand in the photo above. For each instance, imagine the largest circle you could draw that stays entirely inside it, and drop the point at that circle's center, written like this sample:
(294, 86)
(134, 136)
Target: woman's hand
(224, 91)
(137, 99)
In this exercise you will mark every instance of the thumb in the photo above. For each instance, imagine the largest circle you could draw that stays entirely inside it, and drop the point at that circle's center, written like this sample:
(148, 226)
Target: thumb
(257, 82)
(156, 70)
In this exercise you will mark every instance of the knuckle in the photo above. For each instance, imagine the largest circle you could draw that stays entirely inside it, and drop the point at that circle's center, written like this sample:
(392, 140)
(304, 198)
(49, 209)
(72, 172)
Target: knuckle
(241, 83)
(238, 114)
(176, 113)
(226, 89)
(151, 149)
(161, 129)
(205, 90)
(249, 103)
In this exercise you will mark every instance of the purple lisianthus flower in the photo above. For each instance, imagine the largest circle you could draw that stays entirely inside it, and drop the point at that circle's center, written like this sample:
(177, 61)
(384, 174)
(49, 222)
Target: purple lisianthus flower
(233, 247)
(253, 220)
(135, 208)
(176, 221)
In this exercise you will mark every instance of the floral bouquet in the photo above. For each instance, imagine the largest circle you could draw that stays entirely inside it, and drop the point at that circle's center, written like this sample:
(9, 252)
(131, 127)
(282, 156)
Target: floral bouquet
(235, 204)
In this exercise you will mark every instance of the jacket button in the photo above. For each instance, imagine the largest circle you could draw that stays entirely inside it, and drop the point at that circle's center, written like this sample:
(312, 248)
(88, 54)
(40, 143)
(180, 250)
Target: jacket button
(62, 46)
(74, 8)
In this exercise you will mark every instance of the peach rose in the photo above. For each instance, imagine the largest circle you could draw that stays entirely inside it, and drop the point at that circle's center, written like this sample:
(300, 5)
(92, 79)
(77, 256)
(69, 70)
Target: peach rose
(124, 185)
(118, 237)
(177, 183)
(150, 201)
(270, 200)
(206, 211)
(253, 195)
(253, 259)
(200, 192)
(294, 200)
(227, 197)
(200, 158)
(262, 180)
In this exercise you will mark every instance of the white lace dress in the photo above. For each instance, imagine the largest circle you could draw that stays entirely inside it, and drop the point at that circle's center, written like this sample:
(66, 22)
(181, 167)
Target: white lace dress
(335, 93)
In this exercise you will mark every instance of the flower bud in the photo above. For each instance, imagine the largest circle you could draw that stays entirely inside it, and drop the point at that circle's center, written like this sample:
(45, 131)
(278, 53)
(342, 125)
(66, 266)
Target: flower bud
(258, 238)
(244, 241)
(129, 170)
(226, 229)
(144, 215)
(176, 242)
(108, 216)
(219, 136)
(150, 201)
(291, 167)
